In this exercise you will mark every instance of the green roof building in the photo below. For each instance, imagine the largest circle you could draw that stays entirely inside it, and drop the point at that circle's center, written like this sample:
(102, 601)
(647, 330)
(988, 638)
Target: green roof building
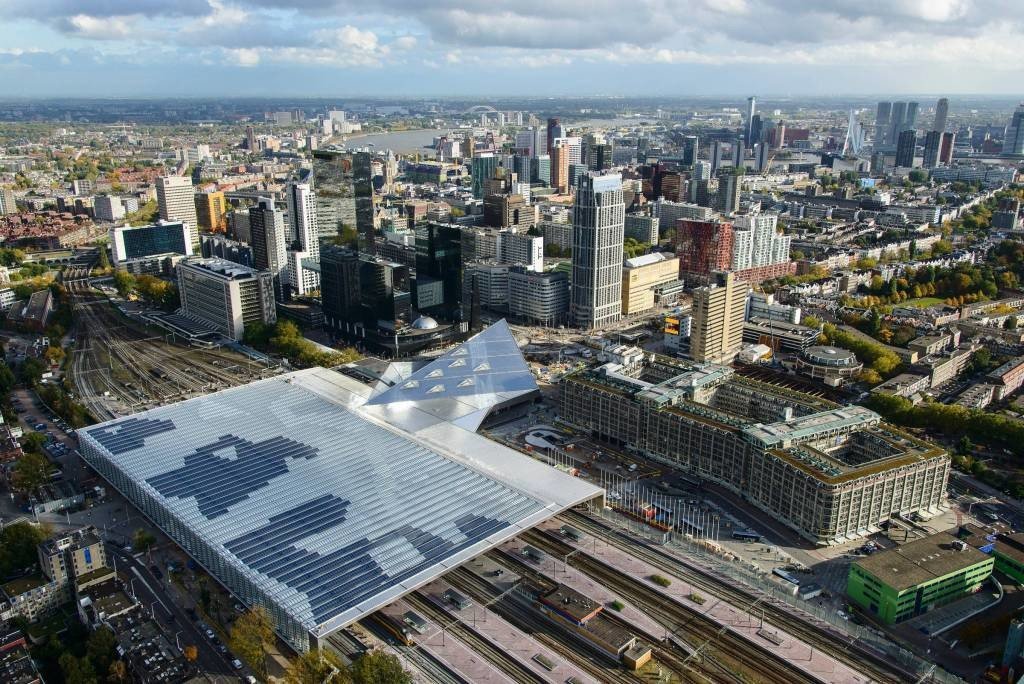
(914, 578)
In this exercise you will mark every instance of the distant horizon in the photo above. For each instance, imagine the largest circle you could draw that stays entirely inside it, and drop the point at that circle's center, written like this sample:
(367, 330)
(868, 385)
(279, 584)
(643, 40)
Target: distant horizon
(1010, 97)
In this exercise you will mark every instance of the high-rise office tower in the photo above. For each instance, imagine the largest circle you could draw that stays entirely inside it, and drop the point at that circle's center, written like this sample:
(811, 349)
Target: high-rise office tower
(691, 148)
(540, 169)
(250, 138)
(211, 211)
(738, 152)
(366, 210)
(755, 131)
(932, 142)
(304, 241)
(552, 129)
(911, 119)
(728, 191)
(899, 114)
(941, 112)
(906, 143)
(267, 230)
(946, 148)
(717, 329)
(717, 155)
(751, 108)
(701, 170)
(1013, 139)
(339, 286)
(883, 117)
(8, 203)
(560, 153)
(439, 270)
(761, 157)
(703, 247)
(176, 202)
(599, 216)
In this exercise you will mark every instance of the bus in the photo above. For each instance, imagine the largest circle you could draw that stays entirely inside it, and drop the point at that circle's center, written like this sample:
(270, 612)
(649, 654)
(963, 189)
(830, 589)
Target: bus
(749, 537)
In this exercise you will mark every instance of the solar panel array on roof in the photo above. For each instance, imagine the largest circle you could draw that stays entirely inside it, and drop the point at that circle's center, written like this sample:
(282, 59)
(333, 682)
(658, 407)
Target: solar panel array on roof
(294, 499)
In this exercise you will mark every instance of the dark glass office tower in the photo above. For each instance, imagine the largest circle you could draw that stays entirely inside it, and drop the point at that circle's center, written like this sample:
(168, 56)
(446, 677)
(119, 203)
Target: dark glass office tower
(439, 270)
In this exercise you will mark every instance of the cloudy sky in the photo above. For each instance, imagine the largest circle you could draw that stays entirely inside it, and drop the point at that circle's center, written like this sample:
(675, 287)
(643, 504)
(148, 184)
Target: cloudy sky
(544, 47)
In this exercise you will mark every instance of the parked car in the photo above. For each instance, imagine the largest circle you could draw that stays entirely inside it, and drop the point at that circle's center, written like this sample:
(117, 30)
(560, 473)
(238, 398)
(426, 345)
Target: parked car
(237, 664)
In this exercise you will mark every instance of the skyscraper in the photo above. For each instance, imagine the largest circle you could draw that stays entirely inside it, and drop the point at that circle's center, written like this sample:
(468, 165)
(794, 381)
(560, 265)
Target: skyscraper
(910, 121)
(439, 270)
(883, 116)
(267, 229)
(366, 212)
(691, 149)
(1013, 140)
(599, 216)
(560, 167)
(176, 202)
(738, 149)
(728, 191)
(551, 130)
(718, 308)
(932, 141)
(946, 148)
(899, 114)
(703, 247)
(941, 112)
(717, 155)
(303, 237)
(905, 146)
(760, 157)
(211, 211)
(751, 108)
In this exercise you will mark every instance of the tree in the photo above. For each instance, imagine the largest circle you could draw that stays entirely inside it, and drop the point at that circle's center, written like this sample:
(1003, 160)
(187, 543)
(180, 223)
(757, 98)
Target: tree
(1010, 323)
(143, 539)
(251, 637)
(77, 670)
(54, 355)
(316, 666)
(7, 380)
(30, 472)
(964, 445)
(104, 262)
(869, 376)
(18, 544)
(378, 667)
(124, 282)
(118, 672)
(100, 649)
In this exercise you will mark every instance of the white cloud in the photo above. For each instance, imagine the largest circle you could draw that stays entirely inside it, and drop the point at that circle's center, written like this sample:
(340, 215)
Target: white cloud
(101, 28)
(243, 57)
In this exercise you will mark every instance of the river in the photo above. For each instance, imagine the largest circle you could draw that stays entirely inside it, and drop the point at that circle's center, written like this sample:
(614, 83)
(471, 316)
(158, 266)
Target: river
(420, 140)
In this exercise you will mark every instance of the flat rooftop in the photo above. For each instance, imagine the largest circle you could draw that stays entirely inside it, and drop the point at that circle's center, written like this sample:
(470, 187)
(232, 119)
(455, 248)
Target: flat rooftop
(921, 561)
(328, 508)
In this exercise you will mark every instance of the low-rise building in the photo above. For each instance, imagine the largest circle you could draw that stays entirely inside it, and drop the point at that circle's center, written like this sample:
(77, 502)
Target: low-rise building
(897, 584)
(1007, 378)
(831, 365)
(779, 336)
(535, 297)
(16, 666)
(904, 385)
(641, 276)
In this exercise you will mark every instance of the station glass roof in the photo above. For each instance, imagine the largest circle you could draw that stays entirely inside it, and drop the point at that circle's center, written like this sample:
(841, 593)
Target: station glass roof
(332, 512)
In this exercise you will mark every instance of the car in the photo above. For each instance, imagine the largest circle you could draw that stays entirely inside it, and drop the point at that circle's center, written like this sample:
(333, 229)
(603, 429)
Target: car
(210, 635)
(39, 426)
(222, 649)
(237, 664)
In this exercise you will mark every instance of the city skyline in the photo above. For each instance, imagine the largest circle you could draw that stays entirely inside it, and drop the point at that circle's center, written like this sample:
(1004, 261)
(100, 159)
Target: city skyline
(257, 47)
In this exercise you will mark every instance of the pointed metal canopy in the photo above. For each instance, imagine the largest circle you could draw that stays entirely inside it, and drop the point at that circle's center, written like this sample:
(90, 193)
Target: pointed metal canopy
(462, 386)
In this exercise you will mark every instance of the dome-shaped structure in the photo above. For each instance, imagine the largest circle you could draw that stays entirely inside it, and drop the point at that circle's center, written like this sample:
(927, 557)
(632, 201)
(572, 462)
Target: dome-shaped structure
(424, 323)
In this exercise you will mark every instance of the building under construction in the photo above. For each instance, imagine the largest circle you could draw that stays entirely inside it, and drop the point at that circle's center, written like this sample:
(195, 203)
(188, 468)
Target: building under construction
(830, 472)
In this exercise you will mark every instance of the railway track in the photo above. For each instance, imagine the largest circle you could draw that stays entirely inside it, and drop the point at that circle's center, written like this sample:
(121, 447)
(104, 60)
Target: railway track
(430, 667)
(742, 659)
(823, 639)
(151, 370)
(529, 621)
(454, 626)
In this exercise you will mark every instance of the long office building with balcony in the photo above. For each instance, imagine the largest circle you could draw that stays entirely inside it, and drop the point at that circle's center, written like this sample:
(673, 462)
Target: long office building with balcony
(831, 473)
